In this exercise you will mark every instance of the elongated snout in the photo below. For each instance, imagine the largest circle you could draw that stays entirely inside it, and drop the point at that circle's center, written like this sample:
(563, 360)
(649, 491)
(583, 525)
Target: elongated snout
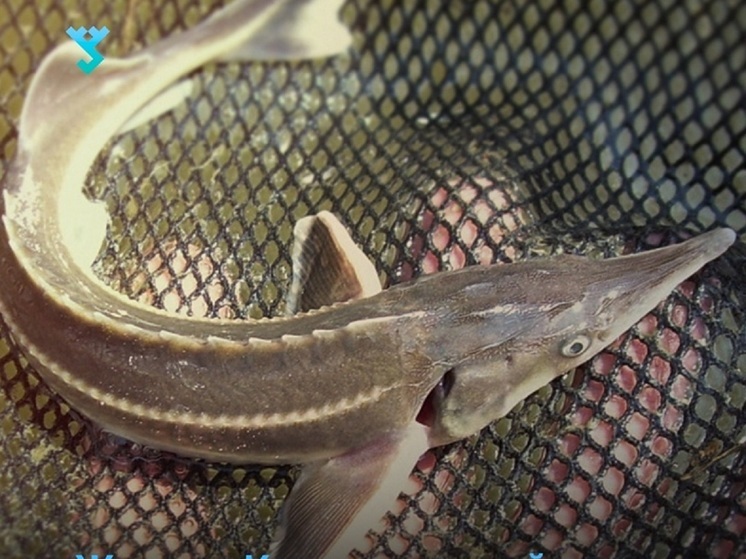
(550, 317)
(630, 286)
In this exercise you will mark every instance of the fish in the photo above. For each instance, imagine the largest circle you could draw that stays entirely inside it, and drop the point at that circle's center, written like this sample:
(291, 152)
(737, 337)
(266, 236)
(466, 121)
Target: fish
(356, 382)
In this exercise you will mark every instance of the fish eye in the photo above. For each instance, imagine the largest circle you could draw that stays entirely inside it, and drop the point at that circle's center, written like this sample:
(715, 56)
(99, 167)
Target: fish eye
(575, 346)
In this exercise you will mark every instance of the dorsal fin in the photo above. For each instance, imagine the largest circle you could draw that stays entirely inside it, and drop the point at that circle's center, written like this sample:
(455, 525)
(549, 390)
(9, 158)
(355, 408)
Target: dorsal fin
(328, 267)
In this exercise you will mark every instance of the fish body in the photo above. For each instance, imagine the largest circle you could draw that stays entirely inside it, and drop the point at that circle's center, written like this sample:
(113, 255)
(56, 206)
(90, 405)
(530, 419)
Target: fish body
(337, 386)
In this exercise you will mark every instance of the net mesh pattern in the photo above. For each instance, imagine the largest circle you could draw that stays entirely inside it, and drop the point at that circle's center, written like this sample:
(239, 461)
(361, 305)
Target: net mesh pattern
(451, 134)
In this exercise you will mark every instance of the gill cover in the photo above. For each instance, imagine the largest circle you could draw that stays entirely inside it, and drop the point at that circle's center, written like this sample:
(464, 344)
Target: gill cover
(571, 308)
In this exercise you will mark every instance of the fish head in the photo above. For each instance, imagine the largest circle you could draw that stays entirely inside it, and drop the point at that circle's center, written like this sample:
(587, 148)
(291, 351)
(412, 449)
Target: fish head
(520, 326)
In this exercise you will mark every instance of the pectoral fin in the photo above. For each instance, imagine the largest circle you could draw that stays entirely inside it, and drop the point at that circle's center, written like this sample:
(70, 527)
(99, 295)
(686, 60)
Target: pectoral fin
(328, 267)
(335, 503)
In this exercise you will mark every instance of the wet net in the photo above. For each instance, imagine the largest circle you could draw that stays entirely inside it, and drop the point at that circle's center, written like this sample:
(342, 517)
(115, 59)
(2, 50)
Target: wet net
(453, 133)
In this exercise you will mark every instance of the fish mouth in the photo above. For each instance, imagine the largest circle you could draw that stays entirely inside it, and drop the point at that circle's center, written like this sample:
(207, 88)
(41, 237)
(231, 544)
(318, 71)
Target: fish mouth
(431, 408)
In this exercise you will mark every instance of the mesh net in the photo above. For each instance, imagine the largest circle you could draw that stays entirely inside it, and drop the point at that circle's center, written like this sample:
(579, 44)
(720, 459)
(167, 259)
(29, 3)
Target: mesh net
(452, 134)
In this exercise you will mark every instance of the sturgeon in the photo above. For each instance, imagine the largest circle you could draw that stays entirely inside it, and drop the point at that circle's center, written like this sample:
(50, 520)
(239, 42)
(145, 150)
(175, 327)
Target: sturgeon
(339, 385)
